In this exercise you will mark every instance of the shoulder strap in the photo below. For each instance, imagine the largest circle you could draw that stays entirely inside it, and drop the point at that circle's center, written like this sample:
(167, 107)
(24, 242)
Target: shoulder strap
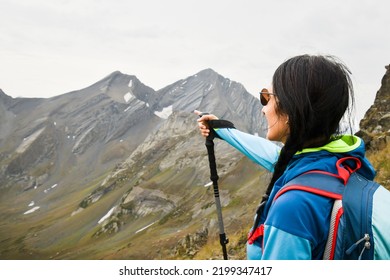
(324, 183)
(330, 247)
(317, 182)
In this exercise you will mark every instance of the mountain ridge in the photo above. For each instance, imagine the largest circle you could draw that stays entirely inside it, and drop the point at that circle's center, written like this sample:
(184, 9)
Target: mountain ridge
(96, 162)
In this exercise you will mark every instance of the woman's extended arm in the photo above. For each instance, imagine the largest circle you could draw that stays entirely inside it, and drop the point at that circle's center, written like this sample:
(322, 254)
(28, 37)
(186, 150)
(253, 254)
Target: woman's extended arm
(258, 149)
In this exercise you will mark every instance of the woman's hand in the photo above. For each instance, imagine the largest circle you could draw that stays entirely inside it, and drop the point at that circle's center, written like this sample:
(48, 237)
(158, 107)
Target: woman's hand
(203, 123)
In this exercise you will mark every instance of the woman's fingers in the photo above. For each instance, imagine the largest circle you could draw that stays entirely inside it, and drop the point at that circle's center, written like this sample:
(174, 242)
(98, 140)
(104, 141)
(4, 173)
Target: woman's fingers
(202, 122)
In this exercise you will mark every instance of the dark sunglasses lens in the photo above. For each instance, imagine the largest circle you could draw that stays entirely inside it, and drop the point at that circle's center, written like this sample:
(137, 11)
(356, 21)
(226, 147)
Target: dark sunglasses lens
(264, 97)
(263, 100)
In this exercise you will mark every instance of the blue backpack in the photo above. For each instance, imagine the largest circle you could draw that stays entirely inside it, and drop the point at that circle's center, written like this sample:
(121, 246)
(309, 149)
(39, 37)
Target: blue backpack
(352, 234)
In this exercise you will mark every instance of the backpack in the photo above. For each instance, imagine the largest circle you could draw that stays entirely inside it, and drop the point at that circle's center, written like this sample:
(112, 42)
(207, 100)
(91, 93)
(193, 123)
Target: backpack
(352, 234)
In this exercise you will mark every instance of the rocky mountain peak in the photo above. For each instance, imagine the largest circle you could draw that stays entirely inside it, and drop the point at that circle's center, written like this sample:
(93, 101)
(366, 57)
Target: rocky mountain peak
(208, 73)
(4, 98)
(106, 121)
(375, 126)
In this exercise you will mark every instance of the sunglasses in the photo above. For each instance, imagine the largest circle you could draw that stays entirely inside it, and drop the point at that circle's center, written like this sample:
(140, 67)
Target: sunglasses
(265, 96)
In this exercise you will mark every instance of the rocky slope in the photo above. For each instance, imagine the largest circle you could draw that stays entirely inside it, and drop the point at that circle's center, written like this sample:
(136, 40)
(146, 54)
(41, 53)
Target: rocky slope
(375, 126)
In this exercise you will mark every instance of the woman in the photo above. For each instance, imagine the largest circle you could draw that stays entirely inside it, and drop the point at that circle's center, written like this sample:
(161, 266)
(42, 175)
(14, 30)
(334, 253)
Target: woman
(304, 107)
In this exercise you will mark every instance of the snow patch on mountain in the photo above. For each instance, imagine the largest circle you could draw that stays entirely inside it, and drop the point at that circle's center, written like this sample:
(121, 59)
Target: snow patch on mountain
(105, 217)
(165, 113)
(27, 141)
(128, 96)
(32, 210)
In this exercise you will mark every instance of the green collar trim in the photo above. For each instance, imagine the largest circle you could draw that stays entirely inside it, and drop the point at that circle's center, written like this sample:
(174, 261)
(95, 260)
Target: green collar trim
(344, 144)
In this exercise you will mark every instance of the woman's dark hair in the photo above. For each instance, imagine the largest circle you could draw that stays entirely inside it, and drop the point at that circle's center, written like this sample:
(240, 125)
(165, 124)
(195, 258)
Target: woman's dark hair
(314, 92)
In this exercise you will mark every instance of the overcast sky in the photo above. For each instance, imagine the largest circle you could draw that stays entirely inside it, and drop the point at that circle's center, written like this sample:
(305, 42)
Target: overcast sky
(50, 47)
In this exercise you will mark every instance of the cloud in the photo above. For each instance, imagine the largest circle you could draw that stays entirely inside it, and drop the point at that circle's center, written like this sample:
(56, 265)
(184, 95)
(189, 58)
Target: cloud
(52, 47)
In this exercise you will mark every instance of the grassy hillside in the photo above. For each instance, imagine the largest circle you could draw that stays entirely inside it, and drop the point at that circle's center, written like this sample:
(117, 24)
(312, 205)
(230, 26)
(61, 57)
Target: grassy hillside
(188, 231)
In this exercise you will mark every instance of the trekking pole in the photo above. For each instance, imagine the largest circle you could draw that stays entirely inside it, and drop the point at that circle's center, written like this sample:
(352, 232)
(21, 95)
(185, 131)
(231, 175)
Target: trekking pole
(214, 178)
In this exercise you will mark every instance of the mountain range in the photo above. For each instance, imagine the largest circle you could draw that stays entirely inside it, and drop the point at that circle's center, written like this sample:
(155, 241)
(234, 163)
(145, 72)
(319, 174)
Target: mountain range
(118, 170)
(112, 164)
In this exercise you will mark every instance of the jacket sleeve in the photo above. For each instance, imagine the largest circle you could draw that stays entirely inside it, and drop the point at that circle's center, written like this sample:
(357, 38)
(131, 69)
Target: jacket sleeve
(258, 149)
(281, 245)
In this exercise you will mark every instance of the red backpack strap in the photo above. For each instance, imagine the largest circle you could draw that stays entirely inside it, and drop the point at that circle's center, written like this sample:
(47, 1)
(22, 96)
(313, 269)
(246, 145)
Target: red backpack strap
(345, 170)
(318, 181)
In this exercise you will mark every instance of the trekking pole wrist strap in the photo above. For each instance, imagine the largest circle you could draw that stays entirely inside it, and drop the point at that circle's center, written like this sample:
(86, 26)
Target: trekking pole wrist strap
(216, 124)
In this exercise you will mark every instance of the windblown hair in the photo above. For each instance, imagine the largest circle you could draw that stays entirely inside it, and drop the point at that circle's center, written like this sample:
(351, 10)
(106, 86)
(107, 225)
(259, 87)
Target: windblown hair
(315, 93)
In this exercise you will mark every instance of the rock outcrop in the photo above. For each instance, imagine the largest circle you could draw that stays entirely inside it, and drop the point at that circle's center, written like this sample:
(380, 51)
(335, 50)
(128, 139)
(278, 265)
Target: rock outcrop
(375, 131)
(375, 126)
